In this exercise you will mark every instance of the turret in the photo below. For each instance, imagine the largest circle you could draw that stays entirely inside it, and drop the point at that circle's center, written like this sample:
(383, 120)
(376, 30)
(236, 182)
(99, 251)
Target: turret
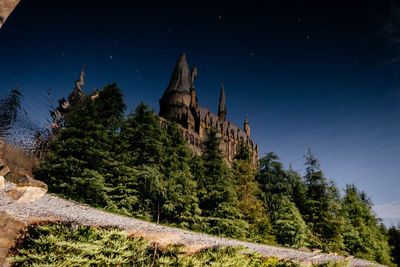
(246, 127)
(78, 94)
(193, 99)
(221, 107)
(177, 97)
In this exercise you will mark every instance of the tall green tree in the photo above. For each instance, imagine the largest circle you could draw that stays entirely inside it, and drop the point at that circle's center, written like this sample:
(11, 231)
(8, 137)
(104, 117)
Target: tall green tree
(217, 192)
(78, 157)
(363, 236)
(249, 204)
(323, 211)
(165, 188)
(277, 186)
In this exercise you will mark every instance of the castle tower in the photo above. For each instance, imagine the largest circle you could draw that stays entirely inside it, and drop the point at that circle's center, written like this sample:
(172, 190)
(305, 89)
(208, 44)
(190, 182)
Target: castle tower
(221, 107)
(246, 127)
(176, 100)
(193, 99)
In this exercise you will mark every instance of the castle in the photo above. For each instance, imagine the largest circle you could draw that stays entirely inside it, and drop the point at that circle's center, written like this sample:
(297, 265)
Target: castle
(179, 103)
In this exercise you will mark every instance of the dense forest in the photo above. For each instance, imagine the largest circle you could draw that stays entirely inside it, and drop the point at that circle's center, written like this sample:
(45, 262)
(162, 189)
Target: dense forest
(128, 164)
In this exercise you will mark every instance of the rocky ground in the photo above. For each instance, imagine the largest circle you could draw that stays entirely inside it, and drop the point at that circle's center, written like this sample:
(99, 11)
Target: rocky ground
(52, 208)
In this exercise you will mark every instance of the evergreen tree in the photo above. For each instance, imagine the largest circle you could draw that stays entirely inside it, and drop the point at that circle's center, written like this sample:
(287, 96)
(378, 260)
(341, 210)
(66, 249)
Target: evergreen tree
(394, 242)
(165, 189)
(363, 237)
(78, 157)
(288, 225)
(249, 204)
(277, 186)
(322, 211)
(141, 139)
(217, 193)
(110, 107)
(273, 181)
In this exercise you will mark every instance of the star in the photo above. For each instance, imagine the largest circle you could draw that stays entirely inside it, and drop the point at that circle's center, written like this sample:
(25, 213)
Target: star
(110, 57)
(251, 54)
(308, 37)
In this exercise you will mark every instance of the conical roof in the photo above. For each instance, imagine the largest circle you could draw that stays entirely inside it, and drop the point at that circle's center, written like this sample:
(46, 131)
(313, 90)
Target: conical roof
(180, 80)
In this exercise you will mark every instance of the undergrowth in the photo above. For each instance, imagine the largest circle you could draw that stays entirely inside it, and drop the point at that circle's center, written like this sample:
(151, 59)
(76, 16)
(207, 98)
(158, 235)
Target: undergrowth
(61, 245)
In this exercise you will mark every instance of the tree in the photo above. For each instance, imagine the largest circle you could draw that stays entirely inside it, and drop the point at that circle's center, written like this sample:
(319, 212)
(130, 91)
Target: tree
(277, 186)
(322, 210)
(165, 188)
(273, 181)
(217, 193)
(110, 107)
(363, 236)
(288, 225)
(251, 207)
(78, 157)
(394, 242)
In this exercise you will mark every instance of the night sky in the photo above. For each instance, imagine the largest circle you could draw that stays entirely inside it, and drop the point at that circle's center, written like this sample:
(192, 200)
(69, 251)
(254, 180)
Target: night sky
(307, 74)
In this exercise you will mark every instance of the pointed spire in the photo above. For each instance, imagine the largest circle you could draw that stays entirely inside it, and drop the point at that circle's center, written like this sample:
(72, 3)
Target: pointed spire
(246, 126)
(78, 93)
(180, 79)
(221, 107)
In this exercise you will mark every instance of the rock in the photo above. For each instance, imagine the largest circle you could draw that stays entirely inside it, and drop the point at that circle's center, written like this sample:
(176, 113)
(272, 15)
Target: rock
(26, 193)
(2, 182)
(23, 180)
(4, 171)
(27, 189)
(11, 230)
(304, 249)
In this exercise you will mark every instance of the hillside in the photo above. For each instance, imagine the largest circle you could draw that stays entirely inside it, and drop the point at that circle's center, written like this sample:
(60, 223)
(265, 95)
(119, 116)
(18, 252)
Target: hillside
(52, 208)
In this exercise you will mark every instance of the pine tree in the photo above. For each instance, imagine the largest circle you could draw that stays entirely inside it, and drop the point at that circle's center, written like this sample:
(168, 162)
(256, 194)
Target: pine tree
(322, 211)
(288, 225)
(363, 236)
(78, 157)
(217, 193)
(165, 189)
(277, 186)
(249, 204)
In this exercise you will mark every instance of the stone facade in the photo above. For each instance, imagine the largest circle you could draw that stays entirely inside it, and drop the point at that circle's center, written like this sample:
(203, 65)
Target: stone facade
(179, 103)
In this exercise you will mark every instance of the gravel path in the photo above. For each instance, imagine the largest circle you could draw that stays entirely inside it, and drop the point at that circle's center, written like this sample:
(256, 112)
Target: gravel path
(50, 207)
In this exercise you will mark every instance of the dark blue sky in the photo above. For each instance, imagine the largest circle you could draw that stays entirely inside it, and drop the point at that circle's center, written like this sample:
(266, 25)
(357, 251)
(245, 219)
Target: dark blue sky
(306, 73)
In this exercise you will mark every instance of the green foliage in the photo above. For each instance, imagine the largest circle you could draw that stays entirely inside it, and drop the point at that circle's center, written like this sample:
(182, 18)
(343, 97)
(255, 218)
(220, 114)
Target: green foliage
(363, 235)
(251, 207)
(394, 242)
(277, 186)
(288, 225)
(217, 193)
(322, 210)
(130, 165)
(57, 245)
